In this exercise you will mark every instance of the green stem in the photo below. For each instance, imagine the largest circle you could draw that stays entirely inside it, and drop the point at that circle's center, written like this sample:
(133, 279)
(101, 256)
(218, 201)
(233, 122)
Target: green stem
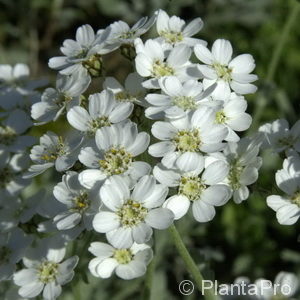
(282, 40)
(190, 264)
(262, 99)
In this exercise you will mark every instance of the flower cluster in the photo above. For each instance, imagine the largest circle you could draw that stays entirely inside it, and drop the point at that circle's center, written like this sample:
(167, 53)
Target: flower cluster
(280, 139)
(115, 174)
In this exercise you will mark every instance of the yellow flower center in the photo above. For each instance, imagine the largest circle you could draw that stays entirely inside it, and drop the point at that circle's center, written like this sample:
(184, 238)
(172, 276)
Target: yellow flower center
(185, 102)
(191, 187)
(93, 65)
(98, 123)
(296, 198)
(187, 140)
(160, 69)
(132, 213)
(221, 117)
(123, 256)
(171, 37)
(51, 155)
(81, 202)
(47, 271)
(223, 72)
(116, 161)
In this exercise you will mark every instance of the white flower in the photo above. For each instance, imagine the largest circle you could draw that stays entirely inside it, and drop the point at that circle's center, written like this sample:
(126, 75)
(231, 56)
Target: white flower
(232, 115)
(83, 54)
(177, 98)
(17, 210)
(45, 272)
(80, 204)
(288, 180)
(279, 137)
(55, 101)
(226, 72)
(174, 31)
(117, 146)
(12, 248)
(127, 263)
(152, 61)
(132, 91)
(131, 215)
(202, 191)
(55, 151)
(11, 129)
(103, 110)
(11, 173)
(15, 87)
(244, 164)
(196, 132)
(122, 34)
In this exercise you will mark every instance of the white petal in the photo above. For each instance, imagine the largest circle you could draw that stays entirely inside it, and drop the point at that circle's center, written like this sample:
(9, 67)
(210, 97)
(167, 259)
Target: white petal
(105, 221)
(203, 54)
(131, 270)
(31, 290)
(216, 195)
(78, 117)
(106, 267)
(243, 63)
(51, 291)
(215, 172)
(222, 51)
(100, 249)
(25, 276)
(203, 212)
(193, 27)
(178, 204)
(159, 218)
(161, 149)
(142, 233)
(88, 178)
(276, 202)
(120, 237)
(288, 214)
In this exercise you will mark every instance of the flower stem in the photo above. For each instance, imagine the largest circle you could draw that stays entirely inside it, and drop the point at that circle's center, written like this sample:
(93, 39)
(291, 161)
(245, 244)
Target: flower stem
(190, 264)
(262, 99)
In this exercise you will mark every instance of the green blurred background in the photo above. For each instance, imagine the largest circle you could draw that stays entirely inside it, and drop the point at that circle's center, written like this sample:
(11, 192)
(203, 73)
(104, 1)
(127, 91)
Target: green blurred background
(243, 239)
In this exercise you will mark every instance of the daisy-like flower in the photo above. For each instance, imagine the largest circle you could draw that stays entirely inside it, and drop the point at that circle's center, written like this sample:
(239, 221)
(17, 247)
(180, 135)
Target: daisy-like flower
(12, 248)
(231, 113)
(45, 271)
(15, 211)
(84, 53)
(152, 61)
(55, 101)
(12, 169)
(103, 110)
(177, 98)
(196, 132)
(244, 165)
(117, 146)
(80, 204)
(226, 72)
(287, 207)
(195, 186)
(122, 34)
(11, 129)
(131, 215)
(127, 263)
(174, 31)
(279, 137)
(132, 91)
(55, 151)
